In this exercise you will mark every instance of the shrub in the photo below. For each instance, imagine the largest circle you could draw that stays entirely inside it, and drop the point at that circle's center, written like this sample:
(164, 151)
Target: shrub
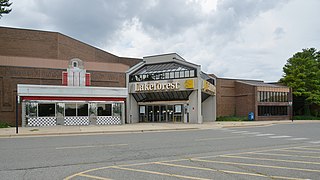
(4, 125)
(232, 118)
(306, 118)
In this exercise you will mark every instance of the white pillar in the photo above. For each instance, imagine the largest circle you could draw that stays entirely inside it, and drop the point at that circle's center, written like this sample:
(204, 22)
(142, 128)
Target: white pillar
(23, 114)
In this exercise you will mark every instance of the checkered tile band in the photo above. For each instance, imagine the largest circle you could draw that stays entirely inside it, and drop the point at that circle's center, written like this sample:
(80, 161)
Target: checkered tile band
(105, 120)
(76, 120)
(42, 121)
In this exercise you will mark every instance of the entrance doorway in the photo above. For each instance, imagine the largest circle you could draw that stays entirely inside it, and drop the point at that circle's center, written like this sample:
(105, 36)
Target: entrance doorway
(161, 113)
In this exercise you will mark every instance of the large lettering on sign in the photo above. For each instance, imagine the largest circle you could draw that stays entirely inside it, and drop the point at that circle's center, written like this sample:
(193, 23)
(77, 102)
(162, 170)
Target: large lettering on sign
(156, 86)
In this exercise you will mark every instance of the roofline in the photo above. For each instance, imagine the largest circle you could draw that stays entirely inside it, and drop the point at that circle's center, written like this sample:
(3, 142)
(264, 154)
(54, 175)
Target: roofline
(263, 85)
(173, 53)
(58, 33)
(241, 79)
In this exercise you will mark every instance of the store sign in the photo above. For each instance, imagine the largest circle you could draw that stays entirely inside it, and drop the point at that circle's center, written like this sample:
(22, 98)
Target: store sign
(189, 84)
(209, 88)
(156, 86)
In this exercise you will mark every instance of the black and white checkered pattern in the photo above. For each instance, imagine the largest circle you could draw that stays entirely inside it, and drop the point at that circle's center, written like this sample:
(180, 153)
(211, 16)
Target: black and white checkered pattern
(76, 120)
(106, 120)
(42, 121)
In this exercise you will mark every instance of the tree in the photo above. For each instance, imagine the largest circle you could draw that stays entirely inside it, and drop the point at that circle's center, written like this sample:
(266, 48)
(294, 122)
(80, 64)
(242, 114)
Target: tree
(302, 74)
(4, 7)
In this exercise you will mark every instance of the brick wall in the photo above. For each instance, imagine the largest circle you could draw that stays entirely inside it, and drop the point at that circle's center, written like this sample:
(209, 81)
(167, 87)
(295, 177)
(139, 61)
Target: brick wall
(53, 45)
(234, 98)
(246, 99)
(226, 97)
(28, 43)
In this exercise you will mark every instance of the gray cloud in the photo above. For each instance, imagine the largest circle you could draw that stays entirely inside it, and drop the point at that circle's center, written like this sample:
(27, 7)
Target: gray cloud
(278, 33)
(90, 21)
(255, 35)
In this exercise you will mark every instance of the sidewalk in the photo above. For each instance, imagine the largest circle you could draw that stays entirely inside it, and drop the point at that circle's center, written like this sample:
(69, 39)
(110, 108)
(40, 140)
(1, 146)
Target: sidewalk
(127, 128)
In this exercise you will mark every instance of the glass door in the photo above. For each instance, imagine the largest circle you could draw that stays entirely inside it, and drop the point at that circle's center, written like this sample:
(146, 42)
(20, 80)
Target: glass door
(163, 113)
(142, 114)
(170, 113)
(150, 113)
(156, 113)
(178, 113)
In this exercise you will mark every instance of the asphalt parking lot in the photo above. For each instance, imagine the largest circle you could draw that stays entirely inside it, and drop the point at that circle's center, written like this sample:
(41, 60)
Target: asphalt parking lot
(294, 162)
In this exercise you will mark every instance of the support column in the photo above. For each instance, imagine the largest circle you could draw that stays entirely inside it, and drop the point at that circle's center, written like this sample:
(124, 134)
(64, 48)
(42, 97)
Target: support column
(199, 95)
(23, 114)
(123, 113)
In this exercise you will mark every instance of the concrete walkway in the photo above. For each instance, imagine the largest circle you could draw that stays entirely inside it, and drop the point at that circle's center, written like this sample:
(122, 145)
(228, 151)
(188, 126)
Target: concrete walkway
(127, 128)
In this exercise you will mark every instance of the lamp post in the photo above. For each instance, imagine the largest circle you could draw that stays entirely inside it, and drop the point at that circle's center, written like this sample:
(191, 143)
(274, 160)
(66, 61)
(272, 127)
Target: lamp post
(291, 104)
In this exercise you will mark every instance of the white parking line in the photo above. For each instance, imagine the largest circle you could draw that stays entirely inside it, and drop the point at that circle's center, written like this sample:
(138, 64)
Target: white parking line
(264, 134)
(298, 139)
(314, 142)
(238, 132)
(90, 146)
(252, 133)
(276, 137)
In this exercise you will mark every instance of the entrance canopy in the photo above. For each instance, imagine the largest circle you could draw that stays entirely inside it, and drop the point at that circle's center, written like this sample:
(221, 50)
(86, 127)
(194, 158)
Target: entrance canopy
(162, 96)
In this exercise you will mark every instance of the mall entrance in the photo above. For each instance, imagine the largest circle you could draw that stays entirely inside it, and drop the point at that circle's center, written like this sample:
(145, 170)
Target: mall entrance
(162, 113)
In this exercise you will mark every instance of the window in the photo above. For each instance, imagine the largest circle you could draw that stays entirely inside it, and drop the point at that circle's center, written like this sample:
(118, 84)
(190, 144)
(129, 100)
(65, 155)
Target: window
(167, 75)
(181, 74)
(104, 109)
(116, 109)
(192, 73)
(266, 96)
(176, 74)
(272, 110)
(187, 74)
(60, 109)
(177, 108)
(31, 109)
(75, 64)
(171, 75)
(82, 110)
(71, 109)
(47, 110)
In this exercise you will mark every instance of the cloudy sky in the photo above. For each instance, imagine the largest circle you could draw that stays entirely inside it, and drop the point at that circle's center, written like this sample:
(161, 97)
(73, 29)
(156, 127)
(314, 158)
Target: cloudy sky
(248, 39)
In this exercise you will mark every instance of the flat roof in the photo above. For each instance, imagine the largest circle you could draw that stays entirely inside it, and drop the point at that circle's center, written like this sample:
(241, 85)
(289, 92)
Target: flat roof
(261, 84)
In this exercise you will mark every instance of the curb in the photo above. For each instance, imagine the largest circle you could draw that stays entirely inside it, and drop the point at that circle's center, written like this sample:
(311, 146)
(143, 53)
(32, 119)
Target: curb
(155, 129)
(95, 132)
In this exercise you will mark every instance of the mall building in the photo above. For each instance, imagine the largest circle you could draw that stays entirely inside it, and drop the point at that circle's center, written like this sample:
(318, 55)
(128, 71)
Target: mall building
(51, 79)
(167, 88)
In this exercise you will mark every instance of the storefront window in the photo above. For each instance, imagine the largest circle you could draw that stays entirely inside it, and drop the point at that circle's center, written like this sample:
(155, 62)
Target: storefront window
(93, 109)
(31, 109)
(177, 108)
(47, 110)
(116, 109)
(82, 110)
(71, 109)
(60, 109)
(104, 109)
